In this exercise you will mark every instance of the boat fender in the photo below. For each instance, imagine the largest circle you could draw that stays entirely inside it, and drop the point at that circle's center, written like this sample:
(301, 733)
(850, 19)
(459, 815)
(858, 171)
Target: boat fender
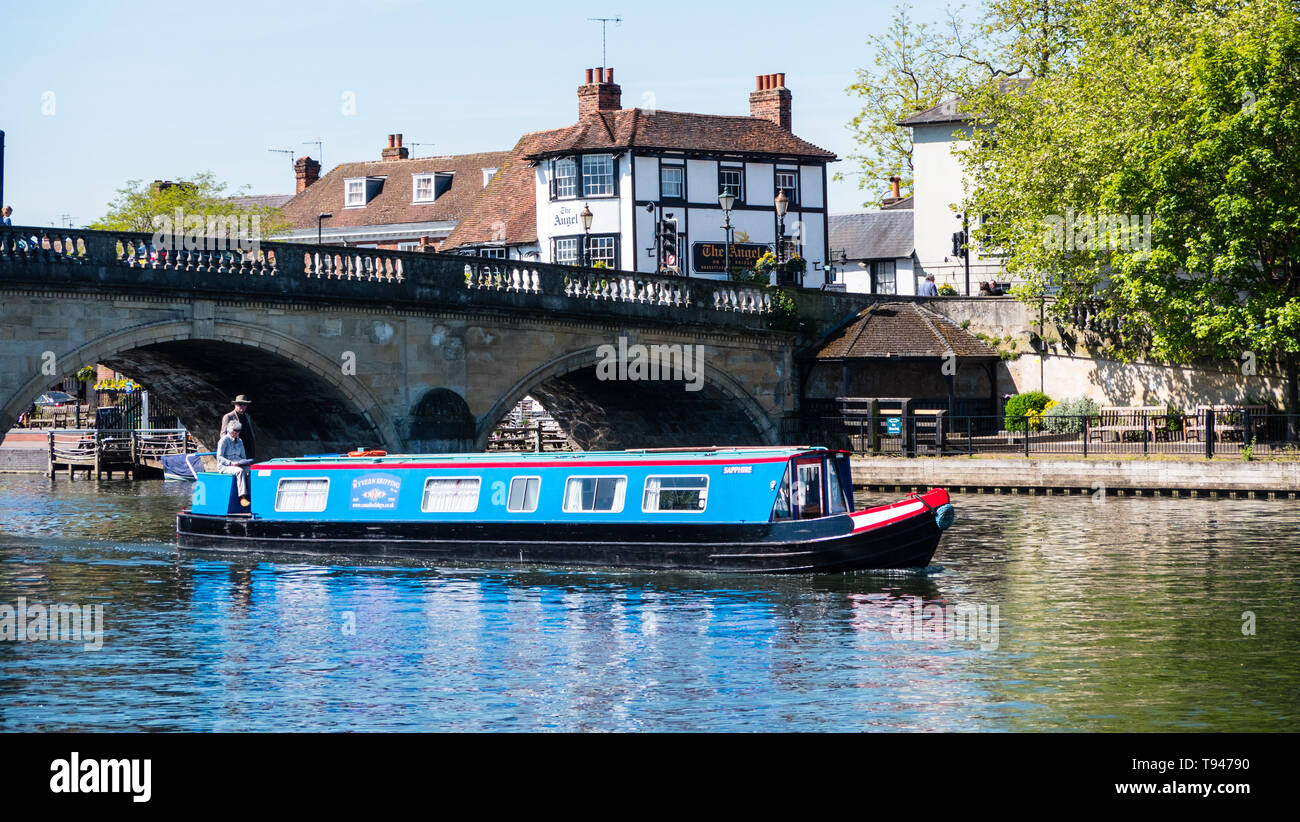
(944, 516)
(367, 453)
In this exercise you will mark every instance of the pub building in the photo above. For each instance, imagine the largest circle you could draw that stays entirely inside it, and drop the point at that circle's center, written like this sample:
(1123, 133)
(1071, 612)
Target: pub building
(644, 189)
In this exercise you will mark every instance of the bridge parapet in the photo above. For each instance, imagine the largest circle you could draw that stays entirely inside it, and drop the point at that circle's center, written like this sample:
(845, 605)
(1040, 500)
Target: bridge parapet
(132, 260)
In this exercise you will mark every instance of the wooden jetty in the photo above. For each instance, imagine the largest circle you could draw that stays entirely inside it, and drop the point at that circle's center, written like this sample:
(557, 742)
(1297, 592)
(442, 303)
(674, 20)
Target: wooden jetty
(102, 452)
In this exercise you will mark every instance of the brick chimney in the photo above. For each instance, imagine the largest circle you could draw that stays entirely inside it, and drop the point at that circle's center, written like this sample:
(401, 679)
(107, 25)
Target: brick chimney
(395, 150)
(770, 99)
(599, 93)
(307, 171)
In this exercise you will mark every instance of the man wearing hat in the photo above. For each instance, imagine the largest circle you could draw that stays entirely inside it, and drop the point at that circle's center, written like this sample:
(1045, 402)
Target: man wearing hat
(240, 415)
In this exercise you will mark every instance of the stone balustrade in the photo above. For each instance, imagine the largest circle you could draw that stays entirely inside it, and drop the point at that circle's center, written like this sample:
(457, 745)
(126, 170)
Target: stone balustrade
(121, 258)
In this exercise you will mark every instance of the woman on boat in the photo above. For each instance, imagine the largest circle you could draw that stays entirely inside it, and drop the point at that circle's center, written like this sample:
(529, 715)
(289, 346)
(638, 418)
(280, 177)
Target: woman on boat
(231, 458)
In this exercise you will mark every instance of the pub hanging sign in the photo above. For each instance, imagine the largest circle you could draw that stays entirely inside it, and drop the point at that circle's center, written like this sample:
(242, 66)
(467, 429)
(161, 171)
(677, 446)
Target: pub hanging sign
(713, 256)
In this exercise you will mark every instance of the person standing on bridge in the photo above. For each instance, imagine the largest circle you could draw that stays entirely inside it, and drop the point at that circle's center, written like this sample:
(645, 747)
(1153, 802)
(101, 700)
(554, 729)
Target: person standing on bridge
(240, 415)
(927, 288)
(4, 215)
(232, 460)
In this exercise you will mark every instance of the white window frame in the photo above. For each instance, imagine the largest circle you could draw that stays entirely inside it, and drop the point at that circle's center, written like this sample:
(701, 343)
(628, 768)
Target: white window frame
(411, 246)
(740, 184)
(620, 493)
(354, 202)
(574, 181)
(279, 486)
(424, 494)
(598, 173)
(416, 180)
(681, 181)
(495, 252)
(510, 492)
(576, 250)
(792, 189)
(612, 248)
(704, 494)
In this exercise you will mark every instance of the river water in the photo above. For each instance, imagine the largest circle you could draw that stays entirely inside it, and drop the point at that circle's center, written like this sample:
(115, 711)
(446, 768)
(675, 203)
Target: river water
(1040, 614)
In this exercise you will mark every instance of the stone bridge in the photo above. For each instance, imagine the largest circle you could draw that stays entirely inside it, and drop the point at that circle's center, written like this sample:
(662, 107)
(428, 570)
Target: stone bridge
(406, 351)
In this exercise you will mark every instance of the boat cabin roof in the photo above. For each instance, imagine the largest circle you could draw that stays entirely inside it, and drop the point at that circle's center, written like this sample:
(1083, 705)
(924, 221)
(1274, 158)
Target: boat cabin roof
(641, 456)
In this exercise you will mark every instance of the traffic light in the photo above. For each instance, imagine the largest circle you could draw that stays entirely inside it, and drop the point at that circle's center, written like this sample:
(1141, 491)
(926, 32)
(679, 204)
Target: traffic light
(959, 243)
(669, 253)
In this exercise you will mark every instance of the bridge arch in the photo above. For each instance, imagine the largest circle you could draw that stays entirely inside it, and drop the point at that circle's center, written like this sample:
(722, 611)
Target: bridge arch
(303, 401)
(600, 415)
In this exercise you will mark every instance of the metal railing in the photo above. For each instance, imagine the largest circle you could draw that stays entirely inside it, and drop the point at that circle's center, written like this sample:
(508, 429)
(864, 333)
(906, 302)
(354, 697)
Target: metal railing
(1234, 433)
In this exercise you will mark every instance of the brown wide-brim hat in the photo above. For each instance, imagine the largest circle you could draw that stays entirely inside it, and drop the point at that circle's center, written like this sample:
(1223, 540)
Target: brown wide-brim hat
(242, 399)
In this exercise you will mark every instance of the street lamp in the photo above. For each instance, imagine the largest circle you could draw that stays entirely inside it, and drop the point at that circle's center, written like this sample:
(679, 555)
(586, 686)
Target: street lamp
(782, 204)
(585, 215)
(727, 200)
(319, 218)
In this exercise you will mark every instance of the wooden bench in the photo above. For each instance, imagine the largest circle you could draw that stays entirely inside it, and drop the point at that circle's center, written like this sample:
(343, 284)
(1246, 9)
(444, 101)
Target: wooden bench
(1124, 419)
(1227, 419)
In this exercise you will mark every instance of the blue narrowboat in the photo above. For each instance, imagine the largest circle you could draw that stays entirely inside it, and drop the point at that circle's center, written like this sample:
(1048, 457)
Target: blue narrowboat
(771, 509)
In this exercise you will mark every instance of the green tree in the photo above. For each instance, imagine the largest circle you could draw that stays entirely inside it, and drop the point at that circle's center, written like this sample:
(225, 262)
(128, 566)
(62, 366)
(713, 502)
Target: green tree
(910, 72)
(1155, 176)
(138, 203)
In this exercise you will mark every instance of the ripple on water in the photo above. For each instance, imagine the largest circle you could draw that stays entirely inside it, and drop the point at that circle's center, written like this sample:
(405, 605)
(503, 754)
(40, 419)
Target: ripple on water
(1122, 616)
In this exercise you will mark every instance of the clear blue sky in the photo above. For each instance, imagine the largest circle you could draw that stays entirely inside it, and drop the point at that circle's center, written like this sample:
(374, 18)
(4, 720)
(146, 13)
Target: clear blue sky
(153, 90)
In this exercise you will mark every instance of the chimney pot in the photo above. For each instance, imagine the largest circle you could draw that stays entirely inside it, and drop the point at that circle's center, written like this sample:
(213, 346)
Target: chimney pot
(399, 141)
(390, 140)
(758, 82)
(771, 100)
(599, 93)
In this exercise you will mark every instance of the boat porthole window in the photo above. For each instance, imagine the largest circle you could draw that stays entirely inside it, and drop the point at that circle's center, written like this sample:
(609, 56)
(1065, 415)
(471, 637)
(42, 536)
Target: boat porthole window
(523, 494)
(454, 495)
(594, 494)
(686, 494)
(302, 494)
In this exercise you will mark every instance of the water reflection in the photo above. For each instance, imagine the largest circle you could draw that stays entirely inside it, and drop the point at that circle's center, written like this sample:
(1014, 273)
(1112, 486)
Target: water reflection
(1122, 616)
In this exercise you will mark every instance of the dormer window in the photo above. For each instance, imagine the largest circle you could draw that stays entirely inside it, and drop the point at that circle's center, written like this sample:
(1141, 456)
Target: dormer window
(487, 175)
(357, 191)
(425, 188)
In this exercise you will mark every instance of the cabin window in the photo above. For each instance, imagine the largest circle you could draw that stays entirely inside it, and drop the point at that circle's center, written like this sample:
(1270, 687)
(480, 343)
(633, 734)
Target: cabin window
(456, 495)
(808, 488)
(523, 494)
(675, 494)
(302, 494)
(834, 488)
(583, 494)
(781, 508)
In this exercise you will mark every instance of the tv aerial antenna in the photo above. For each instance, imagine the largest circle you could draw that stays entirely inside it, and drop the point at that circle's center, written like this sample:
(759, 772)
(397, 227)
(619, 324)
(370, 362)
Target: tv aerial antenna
(320, 149)
(418, 144)
(288, 151)
(618, 21)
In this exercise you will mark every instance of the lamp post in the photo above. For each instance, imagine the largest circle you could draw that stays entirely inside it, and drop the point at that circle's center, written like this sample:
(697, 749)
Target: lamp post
(319, 218)
(585, 215)
(782, 204)
(727, 200)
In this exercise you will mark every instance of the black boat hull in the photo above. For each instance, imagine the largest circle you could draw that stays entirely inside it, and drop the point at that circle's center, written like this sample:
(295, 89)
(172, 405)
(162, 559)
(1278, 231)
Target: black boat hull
(829, 544)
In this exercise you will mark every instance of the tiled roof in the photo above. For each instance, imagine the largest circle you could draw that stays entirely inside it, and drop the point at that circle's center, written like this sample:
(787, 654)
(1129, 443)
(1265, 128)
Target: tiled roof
(392, 204)
(264, 200)
(902, 330)
(505, 211)
(952, 110)
(904, 202)
(713, 133)
(873, 235)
